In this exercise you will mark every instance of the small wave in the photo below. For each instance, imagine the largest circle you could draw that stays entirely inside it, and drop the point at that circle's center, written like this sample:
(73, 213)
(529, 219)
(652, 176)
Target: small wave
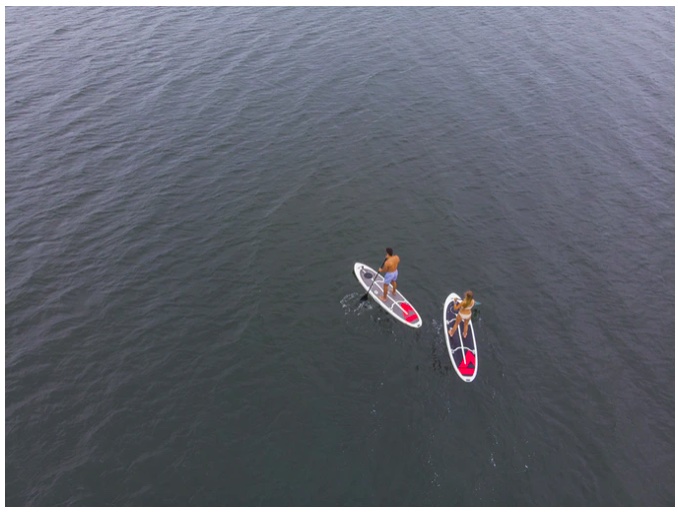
(437, 325)
(352, 305)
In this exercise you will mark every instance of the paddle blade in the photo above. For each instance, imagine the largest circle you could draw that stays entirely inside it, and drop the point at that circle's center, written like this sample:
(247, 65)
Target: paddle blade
(365, 297)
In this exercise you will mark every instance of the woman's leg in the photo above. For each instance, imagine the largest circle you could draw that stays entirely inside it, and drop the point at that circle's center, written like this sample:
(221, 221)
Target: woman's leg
(466, 326)
(454, 327)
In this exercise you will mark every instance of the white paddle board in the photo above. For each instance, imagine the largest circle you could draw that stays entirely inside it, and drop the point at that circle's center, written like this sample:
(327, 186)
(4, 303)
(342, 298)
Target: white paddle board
(396, 305)
(463, 351)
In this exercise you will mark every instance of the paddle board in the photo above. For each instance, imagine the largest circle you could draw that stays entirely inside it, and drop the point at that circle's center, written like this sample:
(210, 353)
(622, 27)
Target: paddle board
(463, 351)
(396, 305)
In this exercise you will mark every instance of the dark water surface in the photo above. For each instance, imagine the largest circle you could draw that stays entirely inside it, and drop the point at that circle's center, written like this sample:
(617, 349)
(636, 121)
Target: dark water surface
(187, 189)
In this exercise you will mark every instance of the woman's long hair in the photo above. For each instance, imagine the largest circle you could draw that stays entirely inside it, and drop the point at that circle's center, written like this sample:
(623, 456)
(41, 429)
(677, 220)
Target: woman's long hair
(467, 300)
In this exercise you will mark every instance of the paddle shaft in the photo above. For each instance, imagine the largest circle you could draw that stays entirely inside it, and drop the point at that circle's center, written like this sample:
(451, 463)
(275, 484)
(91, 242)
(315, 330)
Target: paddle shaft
(364, 297)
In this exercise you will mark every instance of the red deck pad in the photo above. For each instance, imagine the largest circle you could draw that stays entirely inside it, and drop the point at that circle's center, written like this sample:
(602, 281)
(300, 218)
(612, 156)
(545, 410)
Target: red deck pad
(410, 314)
(469, 367)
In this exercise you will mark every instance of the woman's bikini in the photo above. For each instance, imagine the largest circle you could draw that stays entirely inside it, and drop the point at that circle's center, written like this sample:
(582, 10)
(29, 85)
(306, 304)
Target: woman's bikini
(465, 313)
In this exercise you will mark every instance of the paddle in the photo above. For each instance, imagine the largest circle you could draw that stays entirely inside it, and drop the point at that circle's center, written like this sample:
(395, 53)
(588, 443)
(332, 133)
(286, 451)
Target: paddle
(364, 297)
(475, 310)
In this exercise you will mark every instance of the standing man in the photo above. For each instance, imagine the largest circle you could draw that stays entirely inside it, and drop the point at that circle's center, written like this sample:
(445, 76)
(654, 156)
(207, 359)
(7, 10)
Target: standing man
(390, 269)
